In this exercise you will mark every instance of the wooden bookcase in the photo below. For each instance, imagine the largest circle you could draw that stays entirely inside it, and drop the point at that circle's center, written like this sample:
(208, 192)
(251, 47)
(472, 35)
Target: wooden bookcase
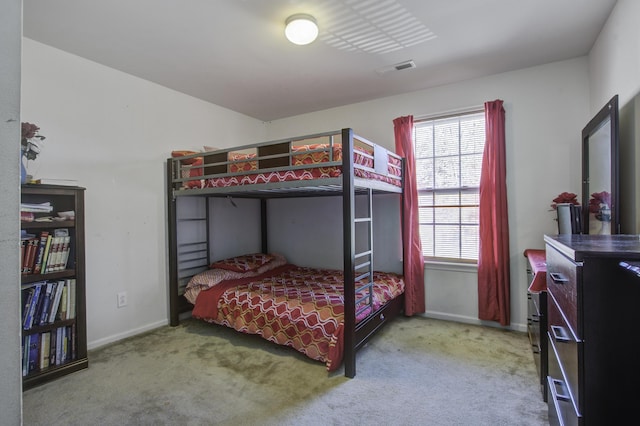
(68, 331)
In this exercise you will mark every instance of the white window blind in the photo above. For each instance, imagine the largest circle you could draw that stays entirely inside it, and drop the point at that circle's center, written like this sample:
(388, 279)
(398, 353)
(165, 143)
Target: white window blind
(448, 154)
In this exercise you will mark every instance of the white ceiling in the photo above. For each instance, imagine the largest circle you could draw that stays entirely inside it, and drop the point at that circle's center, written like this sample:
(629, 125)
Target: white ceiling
(233, 52)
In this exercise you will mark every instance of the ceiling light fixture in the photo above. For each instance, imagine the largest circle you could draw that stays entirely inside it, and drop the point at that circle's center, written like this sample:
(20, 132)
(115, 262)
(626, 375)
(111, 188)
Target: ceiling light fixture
(301, 29)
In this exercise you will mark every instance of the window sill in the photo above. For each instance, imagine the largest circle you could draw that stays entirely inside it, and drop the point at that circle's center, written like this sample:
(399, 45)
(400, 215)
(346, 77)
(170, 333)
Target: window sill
(450, 266)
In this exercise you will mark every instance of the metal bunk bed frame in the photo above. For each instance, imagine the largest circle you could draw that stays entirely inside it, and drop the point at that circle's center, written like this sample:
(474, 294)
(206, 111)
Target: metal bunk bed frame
(356, 265)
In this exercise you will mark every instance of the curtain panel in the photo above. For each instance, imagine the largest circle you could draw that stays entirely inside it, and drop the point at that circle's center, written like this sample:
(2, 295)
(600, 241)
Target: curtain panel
(493, 258)
(412, 246)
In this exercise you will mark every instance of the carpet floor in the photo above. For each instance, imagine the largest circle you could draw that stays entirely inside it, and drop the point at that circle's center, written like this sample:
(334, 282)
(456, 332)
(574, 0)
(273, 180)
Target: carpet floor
(416, 371)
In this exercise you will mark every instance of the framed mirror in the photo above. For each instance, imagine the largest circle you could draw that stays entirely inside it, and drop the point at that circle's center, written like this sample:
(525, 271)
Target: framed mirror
(600, 182)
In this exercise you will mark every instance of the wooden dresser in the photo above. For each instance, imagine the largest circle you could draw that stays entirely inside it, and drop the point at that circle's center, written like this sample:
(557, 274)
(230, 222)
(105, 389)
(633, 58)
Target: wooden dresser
(593, 289)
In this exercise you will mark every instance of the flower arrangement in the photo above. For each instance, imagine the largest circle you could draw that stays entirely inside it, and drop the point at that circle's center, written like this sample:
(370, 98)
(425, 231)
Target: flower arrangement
(565, 197)
(600, 204)
(30, 141)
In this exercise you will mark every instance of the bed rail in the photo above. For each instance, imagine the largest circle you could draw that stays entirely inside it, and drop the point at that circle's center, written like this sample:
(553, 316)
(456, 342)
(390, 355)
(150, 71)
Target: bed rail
(253, 168)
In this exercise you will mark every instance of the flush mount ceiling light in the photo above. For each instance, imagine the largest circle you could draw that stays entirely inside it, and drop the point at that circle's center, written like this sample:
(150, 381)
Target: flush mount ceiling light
(301, 29)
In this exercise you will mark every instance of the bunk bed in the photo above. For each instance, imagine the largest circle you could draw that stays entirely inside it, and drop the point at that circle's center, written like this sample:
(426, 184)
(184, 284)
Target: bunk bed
(335, 163)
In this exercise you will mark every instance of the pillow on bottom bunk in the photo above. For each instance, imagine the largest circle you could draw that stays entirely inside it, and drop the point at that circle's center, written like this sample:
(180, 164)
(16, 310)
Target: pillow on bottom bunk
(215, 275)
(245, 263)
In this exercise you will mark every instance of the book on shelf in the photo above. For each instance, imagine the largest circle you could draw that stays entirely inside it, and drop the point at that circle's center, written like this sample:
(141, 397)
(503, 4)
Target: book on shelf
(64, 302)
(45, 255)
(71, 310)
(27, 297)
(56, 302)
(33, 303)
(29, 255)
(25, 354)
(53, 254)
(45, 349)
(64, 254)
(56, 181)
(42, 244)
(56, 251)
(34, 353)
(43, 315)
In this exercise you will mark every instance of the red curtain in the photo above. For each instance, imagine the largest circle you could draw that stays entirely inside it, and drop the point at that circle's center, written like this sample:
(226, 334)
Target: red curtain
(493, 259)
(412, 247)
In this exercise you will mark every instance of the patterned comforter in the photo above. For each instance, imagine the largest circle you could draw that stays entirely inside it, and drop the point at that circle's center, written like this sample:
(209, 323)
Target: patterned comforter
(290, 305)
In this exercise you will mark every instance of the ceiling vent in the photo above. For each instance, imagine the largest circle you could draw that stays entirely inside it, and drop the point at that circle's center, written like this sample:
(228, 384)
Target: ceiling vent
(397, 67)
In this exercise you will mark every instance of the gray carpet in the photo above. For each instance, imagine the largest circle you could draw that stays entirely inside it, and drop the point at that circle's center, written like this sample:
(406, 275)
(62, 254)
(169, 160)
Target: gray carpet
(417, 371)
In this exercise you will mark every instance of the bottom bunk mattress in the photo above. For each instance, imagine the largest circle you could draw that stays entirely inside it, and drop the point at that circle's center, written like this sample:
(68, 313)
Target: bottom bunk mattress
(286, 304)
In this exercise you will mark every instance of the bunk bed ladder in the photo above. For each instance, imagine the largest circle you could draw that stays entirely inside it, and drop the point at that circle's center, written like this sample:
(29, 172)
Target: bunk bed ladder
(363, 264)
(357, 266)
(188, 247)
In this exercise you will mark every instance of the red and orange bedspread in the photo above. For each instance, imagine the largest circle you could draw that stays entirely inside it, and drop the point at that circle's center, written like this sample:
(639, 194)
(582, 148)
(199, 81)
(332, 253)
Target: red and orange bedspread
(290, 305)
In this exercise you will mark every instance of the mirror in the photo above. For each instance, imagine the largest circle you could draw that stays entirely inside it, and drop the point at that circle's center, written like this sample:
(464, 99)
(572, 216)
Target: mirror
(600, 193)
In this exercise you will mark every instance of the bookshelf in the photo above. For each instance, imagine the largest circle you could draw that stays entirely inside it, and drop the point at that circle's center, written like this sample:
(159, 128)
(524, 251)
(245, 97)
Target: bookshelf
(54, 331)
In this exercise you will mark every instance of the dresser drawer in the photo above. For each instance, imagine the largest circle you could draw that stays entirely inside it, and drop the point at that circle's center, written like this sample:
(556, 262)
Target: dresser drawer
(563, 352)
(561, 411)
(563, 276)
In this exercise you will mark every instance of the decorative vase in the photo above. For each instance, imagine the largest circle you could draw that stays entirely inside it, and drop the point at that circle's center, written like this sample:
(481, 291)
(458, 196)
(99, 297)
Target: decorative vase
(23, 171)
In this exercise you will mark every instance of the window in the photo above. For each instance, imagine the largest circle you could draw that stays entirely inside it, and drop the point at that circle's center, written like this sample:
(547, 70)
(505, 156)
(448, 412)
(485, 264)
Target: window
(448, 152)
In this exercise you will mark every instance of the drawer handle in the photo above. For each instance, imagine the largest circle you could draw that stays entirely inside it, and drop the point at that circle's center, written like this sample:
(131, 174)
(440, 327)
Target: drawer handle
(560, 390)
(558, 278)
(559, 334)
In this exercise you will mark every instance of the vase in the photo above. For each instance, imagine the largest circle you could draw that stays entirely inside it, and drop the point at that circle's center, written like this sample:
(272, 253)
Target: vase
(23, 171)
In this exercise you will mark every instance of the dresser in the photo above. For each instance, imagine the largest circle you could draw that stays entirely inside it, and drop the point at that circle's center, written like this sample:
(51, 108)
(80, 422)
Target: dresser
(593, 289)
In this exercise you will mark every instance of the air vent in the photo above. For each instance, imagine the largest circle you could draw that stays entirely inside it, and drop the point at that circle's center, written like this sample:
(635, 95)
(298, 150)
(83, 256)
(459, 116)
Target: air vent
(405, 65)
(397, 67)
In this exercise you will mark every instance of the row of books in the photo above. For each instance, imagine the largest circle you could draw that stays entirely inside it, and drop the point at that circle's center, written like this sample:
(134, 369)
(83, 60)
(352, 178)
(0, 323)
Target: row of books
(48, 301)
(45, 253)
(48, 349)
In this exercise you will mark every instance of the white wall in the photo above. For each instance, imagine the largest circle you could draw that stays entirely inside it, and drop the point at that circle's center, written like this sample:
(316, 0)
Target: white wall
(614, 60)
(308, 231)
(614, 66)
(546, 108)
(10, 370)
(112, 132)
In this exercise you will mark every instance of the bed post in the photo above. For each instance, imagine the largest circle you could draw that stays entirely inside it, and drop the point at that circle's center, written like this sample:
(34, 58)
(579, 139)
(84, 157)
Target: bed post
(173, 248)
(263, 226)
(348, 218)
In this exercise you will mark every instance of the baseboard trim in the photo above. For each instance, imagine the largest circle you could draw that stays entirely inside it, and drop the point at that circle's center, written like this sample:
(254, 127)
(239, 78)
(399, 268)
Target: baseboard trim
(129, 333)
(470, 320)
(428, 314)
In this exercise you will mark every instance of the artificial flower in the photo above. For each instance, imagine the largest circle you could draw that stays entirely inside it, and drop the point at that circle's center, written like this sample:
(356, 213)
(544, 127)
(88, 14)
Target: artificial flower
(599, 201)
(565, 197)
(30, 141)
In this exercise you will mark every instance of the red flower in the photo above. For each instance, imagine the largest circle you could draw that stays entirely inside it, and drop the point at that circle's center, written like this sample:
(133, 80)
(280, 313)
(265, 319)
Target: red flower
(599, 201)
(565, 197)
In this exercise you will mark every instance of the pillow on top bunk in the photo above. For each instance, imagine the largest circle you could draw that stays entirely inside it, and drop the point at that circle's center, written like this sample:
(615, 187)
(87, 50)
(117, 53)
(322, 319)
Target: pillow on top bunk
(182, 153)
(244, 263)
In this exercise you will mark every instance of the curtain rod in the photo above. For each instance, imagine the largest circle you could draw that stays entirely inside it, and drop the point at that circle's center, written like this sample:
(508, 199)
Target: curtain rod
(450, 113)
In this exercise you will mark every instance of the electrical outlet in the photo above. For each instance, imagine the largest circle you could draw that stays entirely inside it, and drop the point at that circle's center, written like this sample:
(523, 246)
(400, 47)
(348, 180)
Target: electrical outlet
(122, 299)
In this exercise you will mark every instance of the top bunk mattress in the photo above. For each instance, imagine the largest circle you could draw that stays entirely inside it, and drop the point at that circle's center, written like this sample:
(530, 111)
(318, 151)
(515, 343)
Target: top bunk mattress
(315, 159)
